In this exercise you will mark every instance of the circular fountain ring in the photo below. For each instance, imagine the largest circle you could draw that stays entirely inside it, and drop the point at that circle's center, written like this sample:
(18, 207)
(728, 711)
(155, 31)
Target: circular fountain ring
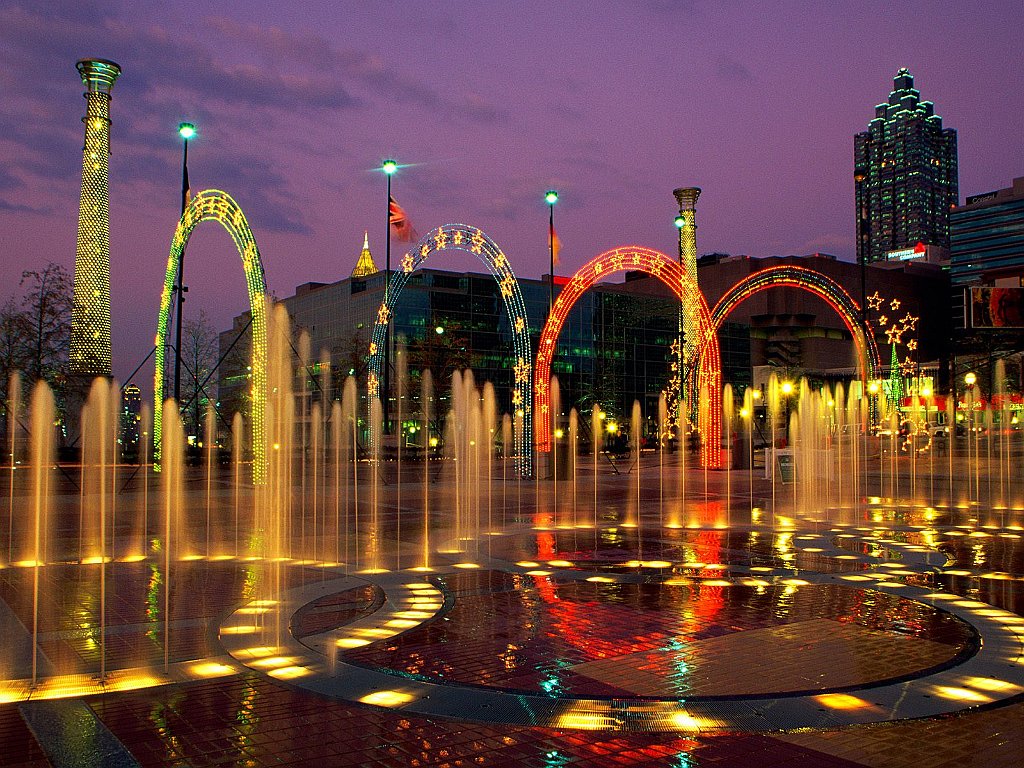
(994, 673)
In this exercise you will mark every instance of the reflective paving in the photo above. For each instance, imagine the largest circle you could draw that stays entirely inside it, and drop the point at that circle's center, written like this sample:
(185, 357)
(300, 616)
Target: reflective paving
(562, 646)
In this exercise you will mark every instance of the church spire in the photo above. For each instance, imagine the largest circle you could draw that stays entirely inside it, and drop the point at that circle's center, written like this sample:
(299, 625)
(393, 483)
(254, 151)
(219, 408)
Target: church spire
(365, 266)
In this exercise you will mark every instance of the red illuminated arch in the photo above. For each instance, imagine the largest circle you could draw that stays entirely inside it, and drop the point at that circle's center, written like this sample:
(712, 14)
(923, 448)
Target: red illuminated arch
(822, 286)
(656, 264)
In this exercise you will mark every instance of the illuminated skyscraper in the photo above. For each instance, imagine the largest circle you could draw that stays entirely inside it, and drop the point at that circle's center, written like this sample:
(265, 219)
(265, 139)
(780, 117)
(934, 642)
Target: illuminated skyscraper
(905, 174)
(365, 266)
(90, 313)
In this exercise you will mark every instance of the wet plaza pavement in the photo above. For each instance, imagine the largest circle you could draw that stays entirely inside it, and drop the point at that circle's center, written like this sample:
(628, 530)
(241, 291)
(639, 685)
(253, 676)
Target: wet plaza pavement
(627, 637)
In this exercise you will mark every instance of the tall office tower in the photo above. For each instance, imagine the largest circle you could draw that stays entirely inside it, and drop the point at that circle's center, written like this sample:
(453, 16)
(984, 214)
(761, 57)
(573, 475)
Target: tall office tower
(90, 312)
(905, 173)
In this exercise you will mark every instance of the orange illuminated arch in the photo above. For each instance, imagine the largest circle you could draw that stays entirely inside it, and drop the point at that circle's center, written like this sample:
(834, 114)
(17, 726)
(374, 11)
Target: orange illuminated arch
(636, 259)
(822, 286)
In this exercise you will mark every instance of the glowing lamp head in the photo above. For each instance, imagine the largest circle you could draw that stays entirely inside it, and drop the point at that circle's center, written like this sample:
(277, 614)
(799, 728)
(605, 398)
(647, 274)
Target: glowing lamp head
(559, 433)
(744, 413)
(433, 442)
(551, 197)
(679, 221)
(439, 330)
(926, 391)
(389, 167)
(612, 427)
(787, 388)
(970, 379)
(756, 394)
(873, 387)
(186, 131)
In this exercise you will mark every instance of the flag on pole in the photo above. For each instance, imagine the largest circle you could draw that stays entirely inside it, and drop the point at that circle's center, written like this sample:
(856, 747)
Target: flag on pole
(401, 227)
(554, 244)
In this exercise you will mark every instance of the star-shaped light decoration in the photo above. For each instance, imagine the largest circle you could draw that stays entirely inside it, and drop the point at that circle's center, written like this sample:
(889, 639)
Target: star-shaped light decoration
(912, 344)
(908, 366)
(408, 263)
(894, 304)
(895, 334)
(883, 320)
(910, 321)
(875, 301)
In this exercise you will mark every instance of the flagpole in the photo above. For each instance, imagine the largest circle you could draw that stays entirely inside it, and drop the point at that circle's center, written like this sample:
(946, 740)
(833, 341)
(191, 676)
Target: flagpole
(186, 131)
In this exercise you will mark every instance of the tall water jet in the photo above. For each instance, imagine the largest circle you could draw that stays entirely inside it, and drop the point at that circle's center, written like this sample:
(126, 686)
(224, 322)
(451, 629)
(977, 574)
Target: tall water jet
(401, 376)
(42, 455)
(373, 535)
(426, 409)
(573, 432)
(350, 416)
(506, 456)
(488, 436)
(596, 440)
(663, 427)
(172, 461)
(237, 437)
(210, 453)
(13, 408)
(634, 514)
(728, 408)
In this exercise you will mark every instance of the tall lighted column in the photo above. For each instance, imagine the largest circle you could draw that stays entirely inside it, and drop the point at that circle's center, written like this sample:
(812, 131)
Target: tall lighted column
(686, 222)
(90, 312)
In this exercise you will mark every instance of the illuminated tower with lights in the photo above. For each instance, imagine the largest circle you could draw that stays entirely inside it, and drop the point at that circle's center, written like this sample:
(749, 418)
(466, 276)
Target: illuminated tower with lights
(365, 266)
(686, 222)
(905, 175)
(90, 312)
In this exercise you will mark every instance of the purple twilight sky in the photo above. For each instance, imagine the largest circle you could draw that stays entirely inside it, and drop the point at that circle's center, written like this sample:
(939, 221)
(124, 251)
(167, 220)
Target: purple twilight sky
(612, 103)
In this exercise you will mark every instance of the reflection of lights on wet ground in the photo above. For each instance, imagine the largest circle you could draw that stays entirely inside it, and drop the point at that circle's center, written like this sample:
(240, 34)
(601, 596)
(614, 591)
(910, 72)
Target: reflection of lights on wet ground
(842, 701)
(386, 698)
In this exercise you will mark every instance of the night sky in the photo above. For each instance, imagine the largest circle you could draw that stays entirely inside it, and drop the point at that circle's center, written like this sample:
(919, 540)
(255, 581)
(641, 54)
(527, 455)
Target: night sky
(491, 103)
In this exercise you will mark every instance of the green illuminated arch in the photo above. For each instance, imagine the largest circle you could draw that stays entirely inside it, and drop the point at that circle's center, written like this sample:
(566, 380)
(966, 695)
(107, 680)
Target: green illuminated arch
(214, 205)
(471, 240)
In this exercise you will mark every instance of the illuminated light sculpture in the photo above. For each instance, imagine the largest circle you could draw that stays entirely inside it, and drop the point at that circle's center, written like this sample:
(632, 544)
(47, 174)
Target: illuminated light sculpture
(214, 205)
(822, 286)
(685, 382)
(471, 240)
(668, 271)
(89, 352)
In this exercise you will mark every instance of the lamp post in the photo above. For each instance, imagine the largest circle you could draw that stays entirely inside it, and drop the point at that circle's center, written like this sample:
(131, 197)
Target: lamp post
(186, 131)
(389, 167)
(551, 197)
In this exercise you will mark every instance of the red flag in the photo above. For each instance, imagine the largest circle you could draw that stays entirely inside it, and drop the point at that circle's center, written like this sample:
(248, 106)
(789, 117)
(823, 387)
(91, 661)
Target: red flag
(554, 244)
(401, 227)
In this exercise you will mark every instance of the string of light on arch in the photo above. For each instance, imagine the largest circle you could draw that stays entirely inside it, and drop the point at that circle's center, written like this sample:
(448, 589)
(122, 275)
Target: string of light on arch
(822, 286)
(669, 272)
(471, 240)
(215, 205)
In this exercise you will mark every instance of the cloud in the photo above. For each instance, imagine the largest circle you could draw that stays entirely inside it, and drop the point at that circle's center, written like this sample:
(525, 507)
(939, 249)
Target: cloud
(362, 70)
(729, 68)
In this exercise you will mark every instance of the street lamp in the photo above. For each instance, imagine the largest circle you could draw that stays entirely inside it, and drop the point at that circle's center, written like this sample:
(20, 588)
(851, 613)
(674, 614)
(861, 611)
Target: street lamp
(186, 131)
(551, 197)
(389, 167)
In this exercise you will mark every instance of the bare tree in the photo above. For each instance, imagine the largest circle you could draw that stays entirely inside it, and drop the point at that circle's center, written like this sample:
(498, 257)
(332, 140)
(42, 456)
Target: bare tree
(46, 305)
(199, 355)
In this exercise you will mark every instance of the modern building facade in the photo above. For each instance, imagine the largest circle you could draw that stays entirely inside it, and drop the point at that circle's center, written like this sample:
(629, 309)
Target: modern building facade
(987, 276)
(615, 347)
(987, 243)
(905, 175)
